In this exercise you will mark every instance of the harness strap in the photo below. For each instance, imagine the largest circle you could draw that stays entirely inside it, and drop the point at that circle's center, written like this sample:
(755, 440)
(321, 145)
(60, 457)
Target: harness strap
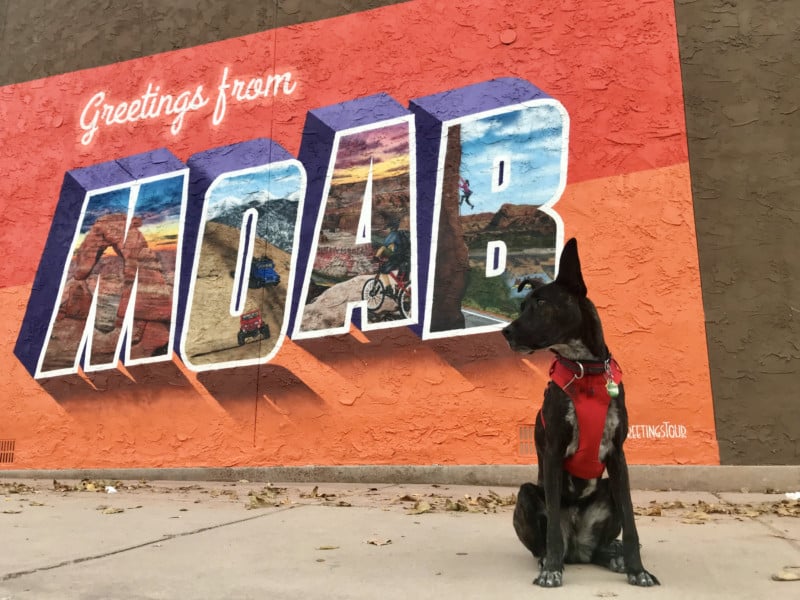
(585, 383)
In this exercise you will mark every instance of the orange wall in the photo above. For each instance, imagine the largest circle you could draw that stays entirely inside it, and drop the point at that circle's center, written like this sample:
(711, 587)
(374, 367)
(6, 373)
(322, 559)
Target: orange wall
(384, 397)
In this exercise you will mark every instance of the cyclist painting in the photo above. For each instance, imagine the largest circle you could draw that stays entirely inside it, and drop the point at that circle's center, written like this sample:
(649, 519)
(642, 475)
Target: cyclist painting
(396, 249)
(391, 279)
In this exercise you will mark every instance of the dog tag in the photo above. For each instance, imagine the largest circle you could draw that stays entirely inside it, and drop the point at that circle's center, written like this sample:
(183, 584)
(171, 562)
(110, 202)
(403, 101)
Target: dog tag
(612, 388)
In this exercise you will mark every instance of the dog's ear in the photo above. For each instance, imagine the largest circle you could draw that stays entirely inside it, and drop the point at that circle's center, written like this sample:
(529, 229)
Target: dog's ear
(534, 283)
(569, 269)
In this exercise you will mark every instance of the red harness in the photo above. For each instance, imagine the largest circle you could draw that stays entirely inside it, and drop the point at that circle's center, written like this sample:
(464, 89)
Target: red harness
(585, 383)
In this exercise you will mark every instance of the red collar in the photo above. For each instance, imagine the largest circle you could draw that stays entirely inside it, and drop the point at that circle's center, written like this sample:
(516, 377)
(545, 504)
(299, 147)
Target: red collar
(585, 383)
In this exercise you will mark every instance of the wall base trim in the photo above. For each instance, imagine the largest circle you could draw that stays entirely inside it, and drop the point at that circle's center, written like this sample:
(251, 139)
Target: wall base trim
(727, 478)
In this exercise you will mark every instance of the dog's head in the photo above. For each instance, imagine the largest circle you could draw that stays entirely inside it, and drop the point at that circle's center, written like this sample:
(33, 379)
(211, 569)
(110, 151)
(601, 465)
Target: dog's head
(551, 314)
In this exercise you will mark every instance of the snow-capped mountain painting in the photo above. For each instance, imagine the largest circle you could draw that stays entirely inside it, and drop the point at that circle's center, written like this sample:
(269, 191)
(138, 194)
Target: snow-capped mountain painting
(273, 191)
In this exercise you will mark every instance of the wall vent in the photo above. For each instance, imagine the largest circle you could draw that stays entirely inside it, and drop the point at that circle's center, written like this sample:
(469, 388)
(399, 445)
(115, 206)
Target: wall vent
(527, 447)
(7, 451)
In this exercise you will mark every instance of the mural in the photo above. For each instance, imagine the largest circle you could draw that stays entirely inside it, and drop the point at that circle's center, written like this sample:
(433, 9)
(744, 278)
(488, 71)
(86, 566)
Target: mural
(255, 253)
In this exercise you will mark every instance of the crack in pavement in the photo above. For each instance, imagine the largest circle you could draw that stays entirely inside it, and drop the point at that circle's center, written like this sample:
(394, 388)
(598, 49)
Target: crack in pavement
(773, 530)
(166, 538)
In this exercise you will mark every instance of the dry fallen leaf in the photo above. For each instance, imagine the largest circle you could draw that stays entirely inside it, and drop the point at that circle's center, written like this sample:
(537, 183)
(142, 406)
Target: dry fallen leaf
(17, 488)
(653, 510)
(257, 501)
(312, 494)
(420, 507)
(406, 498)
(510, 500)
(697, 515)
(63, 487)
(457, 506)
(327, 547)
(11, 512)
(719, 509)
(787, 574)
(113, 511)
(92, 485)
(230, 493)
(379, 542)
(268, 496)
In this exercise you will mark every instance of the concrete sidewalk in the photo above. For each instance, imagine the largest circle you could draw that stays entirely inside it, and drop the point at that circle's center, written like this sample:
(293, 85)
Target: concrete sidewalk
(353, 541)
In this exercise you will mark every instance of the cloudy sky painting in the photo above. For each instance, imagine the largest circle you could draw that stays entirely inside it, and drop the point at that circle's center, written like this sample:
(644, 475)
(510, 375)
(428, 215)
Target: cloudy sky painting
(531, 139)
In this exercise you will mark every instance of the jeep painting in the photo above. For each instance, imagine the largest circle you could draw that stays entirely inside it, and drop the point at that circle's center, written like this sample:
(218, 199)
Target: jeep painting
(252, 325)
(263, 273)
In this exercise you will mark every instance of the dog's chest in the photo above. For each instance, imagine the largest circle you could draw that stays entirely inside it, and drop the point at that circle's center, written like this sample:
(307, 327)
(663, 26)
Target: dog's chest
(600, 428)
(609, 427)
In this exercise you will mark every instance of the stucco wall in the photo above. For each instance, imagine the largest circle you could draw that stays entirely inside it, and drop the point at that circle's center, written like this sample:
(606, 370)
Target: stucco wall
(382, 396)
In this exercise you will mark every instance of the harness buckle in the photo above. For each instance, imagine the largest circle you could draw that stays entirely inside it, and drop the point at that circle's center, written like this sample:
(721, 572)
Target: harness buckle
(583, 372)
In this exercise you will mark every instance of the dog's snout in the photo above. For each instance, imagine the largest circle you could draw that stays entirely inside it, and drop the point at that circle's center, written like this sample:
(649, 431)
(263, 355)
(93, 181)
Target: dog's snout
(507, 332)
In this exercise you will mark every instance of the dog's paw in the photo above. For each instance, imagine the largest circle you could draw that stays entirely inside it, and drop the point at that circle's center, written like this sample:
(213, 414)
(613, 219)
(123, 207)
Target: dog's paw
(617, 564)
(643, 579)
(548, 579)
(611, 557)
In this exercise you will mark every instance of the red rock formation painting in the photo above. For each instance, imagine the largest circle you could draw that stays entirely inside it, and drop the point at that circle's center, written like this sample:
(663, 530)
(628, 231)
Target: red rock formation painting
(115, 273)
(452, 255)
(522, 218)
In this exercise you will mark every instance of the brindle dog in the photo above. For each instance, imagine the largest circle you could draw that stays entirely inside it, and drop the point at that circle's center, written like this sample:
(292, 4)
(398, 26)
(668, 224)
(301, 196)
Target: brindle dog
(566, 518)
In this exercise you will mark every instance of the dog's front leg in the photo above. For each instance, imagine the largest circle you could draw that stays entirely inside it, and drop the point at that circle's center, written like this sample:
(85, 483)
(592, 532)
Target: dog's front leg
(552, 565)
(620, 488)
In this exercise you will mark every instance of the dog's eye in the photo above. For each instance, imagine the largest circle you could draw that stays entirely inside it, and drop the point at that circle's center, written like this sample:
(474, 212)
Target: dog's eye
(541, 301)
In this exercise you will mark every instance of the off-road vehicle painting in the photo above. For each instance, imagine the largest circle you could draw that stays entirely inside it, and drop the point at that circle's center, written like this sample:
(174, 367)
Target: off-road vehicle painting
(252, 325)
(262, 273)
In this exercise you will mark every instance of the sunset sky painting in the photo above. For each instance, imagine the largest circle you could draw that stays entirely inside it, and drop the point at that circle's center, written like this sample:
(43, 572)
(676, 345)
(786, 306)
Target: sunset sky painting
(387, 148)
(158, 205)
